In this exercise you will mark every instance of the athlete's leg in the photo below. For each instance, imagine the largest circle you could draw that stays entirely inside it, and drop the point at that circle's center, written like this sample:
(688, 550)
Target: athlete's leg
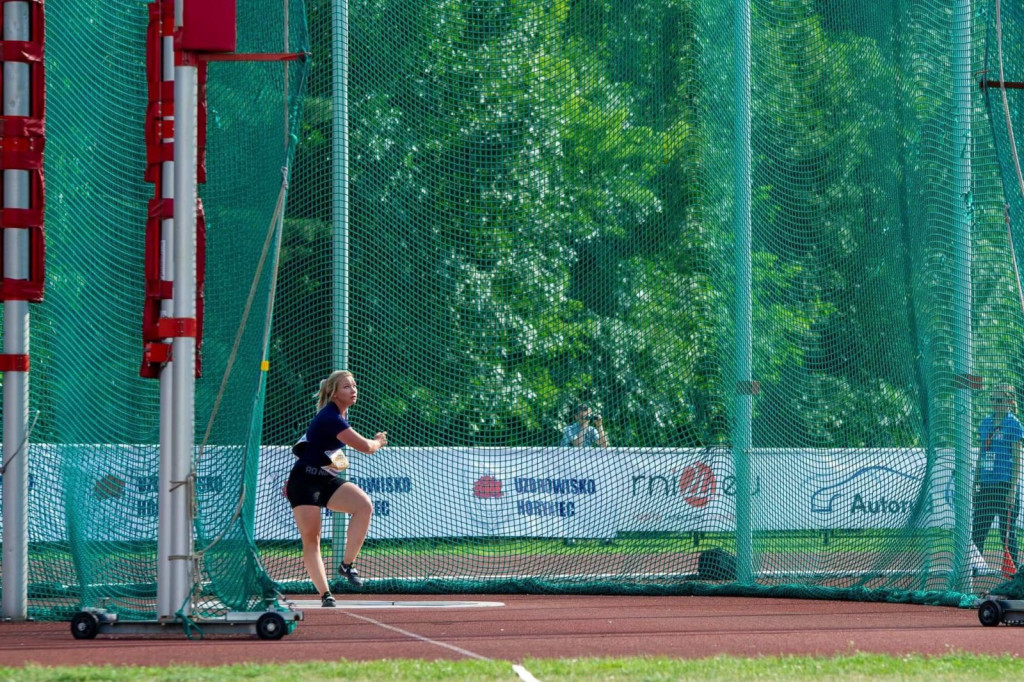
(350, 499)
(307, 518)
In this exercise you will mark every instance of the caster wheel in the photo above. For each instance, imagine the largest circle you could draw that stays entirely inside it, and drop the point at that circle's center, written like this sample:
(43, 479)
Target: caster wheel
(271, 625)
(84, 625)
(990, 613)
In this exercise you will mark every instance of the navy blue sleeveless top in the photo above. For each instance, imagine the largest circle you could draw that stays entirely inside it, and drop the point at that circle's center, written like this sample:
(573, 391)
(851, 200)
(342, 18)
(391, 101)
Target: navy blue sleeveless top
(322, 436)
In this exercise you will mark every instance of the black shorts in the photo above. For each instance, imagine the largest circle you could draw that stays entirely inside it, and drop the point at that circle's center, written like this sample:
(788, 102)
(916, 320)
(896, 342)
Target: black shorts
(311, 485)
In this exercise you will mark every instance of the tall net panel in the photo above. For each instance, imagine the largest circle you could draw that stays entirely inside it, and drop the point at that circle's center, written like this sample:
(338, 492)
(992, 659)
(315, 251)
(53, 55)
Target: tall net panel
(94, 454)
(789, 304)
(542, 208)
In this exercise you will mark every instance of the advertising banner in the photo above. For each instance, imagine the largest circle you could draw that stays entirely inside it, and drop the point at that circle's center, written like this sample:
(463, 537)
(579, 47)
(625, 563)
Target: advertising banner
(791, 489)
(464, 492)
(517, 492)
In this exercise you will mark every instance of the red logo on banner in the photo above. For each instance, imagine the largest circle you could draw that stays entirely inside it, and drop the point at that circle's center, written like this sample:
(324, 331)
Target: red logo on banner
(108, 487)
(697, 484)
(487, 487)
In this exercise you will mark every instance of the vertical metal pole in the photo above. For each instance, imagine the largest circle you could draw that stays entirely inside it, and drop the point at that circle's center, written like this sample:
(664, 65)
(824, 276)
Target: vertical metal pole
(183, 350)
(339, 167)
(17, 102)
(165, 607)
(962, 347)
(741, 427)
(286, 49)
(339, 212)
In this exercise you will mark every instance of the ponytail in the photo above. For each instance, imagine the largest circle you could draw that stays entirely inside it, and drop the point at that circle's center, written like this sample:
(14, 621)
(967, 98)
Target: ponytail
(329, 386)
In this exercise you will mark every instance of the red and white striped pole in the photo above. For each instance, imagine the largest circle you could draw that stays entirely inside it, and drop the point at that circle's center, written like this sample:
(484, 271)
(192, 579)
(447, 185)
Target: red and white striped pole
(21, 220)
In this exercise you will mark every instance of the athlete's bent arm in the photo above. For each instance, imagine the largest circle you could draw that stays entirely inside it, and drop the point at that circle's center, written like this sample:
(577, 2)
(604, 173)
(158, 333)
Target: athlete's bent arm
(351, 438)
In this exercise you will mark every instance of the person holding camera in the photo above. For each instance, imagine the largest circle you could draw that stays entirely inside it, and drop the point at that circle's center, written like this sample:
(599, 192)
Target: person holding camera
(587, 430)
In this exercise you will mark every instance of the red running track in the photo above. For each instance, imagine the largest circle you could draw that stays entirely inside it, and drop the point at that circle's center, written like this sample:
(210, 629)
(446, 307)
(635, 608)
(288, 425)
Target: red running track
(545, 626)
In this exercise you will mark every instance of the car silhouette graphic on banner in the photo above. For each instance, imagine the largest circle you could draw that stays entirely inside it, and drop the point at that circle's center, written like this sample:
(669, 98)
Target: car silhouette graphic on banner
(885, 494)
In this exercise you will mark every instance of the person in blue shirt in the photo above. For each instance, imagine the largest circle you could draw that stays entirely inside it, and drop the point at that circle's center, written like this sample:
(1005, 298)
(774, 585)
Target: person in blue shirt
(997, 475)
(587, 430)
(314, 481)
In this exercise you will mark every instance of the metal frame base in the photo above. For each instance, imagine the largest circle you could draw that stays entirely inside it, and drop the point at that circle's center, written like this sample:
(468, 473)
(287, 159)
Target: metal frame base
(993, 611)
(270, 624)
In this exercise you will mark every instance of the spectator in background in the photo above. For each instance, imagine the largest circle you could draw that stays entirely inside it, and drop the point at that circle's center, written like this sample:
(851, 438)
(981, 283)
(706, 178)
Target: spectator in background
(587, 430)
(997, 475)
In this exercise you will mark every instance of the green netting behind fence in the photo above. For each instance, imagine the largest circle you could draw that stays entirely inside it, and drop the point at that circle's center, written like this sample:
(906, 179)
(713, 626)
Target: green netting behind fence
(94, 455)
(501, 210)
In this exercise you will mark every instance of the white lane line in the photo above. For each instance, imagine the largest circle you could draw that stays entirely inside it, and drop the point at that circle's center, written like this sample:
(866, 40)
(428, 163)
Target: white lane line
(369, 604)
(524, 674)
(421, 638)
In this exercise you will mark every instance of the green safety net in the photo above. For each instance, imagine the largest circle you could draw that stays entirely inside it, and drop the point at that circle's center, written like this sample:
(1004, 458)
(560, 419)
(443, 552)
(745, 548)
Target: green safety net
(779, 263)
(1003, 77)
(542, 204)
(94, 456)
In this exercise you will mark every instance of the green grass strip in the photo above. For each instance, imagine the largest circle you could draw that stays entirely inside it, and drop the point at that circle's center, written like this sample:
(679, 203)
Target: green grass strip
(817, 669)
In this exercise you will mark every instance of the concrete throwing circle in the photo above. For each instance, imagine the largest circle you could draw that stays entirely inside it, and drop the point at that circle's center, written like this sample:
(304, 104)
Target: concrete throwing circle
(388, 604)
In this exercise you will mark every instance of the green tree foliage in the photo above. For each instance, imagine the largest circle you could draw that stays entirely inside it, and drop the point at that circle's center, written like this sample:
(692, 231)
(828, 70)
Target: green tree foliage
(520, 206)
(836, 235)
(541, 214)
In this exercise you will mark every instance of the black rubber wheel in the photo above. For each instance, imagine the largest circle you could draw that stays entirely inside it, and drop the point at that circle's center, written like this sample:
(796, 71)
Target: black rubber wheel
(990, 613)
(271, 625)
(85, 625)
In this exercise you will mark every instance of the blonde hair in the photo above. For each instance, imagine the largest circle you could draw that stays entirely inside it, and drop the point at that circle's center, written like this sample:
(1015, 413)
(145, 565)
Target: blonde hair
(329, 386)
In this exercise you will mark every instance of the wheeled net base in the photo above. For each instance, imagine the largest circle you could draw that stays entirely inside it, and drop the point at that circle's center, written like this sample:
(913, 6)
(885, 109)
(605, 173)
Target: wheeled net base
(88, 623)
(992, 611)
